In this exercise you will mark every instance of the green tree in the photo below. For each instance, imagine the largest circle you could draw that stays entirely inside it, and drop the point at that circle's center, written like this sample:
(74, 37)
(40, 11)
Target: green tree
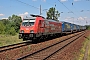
(5, 21)
(16, 20)
(2, 27)
(53, 14)
(12, 31)
(57, 14)
(88, 27)
(10, 25)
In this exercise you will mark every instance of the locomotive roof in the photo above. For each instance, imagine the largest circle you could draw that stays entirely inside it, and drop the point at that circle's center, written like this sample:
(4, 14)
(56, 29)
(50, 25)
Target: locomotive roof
(37, 16)
(69, 23)
(64, 22)
(28, 18)
(52, 20)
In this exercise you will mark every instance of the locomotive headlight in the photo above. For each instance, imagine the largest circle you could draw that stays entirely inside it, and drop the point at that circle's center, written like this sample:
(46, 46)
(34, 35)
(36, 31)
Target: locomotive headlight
(22, 31)
(31, 31)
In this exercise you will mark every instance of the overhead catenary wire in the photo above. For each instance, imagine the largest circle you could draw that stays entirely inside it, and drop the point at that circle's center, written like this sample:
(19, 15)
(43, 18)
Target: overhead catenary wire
(32, 6)
(67, 8)
(46, 9)
(28, 4)
(72, 4)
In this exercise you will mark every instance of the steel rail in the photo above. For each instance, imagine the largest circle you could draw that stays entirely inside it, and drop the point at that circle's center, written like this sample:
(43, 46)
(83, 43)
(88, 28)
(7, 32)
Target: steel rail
(44, 48)
(62, 47)
(13, 46)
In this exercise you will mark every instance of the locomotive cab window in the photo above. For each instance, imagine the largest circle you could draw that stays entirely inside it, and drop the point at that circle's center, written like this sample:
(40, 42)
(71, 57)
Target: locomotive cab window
(28, 22)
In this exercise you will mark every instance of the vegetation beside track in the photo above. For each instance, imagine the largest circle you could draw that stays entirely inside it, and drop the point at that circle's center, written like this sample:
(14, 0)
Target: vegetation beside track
(11, 25)
(83, 49)
(9, 39)
(9, 30)
(88, 27)
(89, 49)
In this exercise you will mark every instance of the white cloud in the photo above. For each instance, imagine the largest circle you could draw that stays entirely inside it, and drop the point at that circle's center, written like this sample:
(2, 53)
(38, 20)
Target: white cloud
(68, 18)
(63, 0)
(24, 14)
(76, 0)
(4, 18)
(1, 14)
(72, 18)
(82, 18)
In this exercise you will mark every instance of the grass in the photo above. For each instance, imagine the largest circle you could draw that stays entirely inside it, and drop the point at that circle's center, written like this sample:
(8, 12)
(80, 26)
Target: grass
(8, 39)
(82, 51)
(89, 51)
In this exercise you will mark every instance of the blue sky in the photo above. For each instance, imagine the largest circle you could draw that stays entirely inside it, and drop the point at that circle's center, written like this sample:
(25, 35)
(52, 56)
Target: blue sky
(80, 9)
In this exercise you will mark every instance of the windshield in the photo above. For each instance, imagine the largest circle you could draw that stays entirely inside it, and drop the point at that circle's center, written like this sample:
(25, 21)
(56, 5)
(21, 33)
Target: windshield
(27, 23)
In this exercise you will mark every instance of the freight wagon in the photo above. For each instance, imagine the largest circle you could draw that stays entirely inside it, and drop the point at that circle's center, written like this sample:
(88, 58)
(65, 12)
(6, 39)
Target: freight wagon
(66, 27)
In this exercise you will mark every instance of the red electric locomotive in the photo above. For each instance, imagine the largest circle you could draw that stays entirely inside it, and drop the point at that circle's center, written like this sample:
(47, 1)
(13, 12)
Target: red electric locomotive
(38, 27)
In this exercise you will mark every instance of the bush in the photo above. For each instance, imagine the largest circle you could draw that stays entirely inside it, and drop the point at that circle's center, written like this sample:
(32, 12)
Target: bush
(88, 27)
(12, 31)
(2, 28)
(11, 25)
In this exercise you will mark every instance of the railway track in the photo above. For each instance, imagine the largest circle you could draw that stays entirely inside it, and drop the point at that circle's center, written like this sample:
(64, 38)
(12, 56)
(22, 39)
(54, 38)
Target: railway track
(47, 52)
(13, 46)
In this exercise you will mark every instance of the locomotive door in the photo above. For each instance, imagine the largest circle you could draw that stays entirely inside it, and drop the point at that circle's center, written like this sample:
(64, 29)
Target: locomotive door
(47, 26)
(41, 26)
